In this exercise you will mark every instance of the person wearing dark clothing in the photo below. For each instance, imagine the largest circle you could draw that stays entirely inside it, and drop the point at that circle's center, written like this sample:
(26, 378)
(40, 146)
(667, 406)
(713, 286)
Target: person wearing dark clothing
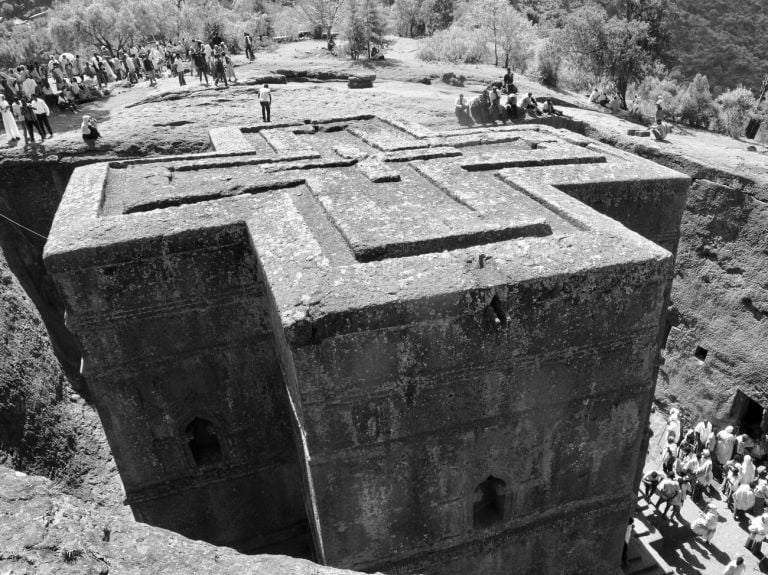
(265, 99)
(30, 119)
(201, 65)
(219, 73)
(41, 113)
(149, 69)
(508, 82)
(249, 47)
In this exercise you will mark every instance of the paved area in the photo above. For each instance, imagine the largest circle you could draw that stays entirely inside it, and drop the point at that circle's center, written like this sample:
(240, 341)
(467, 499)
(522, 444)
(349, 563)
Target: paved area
(686, 553)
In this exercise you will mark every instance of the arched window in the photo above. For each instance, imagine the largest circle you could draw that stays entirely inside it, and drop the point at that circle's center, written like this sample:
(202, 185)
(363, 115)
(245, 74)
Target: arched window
(203, 442)
(490, 498)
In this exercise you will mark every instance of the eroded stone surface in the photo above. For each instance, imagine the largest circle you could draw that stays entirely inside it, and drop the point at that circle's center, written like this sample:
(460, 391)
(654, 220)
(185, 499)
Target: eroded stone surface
(467, 353)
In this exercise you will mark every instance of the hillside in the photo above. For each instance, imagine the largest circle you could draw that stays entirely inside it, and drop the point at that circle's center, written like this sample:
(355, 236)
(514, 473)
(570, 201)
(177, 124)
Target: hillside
(724, 40)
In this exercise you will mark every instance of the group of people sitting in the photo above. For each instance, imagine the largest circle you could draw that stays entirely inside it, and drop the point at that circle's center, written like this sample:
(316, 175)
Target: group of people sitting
(499, 101)
(691, 463)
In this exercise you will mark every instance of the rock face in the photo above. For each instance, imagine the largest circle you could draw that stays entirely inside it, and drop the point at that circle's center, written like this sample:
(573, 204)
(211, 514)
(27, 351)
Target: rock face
(44, 531)
(715, 360)
(45, 427)
(465, 352)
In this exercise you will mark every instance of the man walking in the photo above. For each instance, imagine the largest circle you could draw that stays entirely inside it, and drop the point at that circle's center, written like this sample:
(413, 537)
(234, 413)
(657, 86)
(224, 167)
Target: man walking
(265, 99)
(249, 47)
(40, 108)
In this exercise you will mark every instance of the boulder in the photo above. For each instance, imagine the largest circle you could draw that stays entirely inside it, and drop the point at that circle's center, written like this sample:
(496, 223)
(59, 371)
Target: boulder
(363, 81)
(638, 133)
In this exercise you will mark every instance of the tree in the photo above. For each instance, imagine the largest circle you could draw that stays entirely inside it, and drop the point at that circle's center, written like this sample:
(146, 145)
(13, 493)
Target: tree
(408, 16)
(113, 24)
(610, 48)
(506, 28)
(375, 23)
(437, 15)
(322, 13)
(354, 31)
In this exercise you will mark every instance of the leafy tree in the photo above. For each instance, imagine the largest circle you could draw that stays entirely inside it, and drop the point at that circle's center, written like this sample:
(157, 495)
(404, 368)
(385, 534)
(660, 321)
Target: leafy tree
(438, 14)
(364, 25)
(408, 17)
(22, 44)
(322, 13)
(6, 10)
(110, 23)
(354, 30)
(611, 48)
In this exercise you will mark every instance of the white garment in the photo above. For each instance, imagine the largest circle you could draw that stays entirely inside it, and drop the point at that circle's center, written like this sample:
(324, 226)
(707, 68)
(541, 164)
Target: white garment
(29, 86)
(9, 122)
(265, 95)
(40, 107)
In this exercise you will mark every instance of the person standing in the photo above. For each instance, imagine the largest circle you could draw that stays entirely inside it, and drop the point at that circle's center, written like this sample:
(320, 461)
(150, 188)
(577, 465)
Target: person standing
(19, 117)
(743, 501)
(202, 66)
(704, 476)
(9, 122)
(30, 119)
(178, 65)
(704, 434)
(249, 47)
(230, 68)
(265, 99)
(508, 81)
(149, 70)
(726, 441)
(219, 74)
(41, 113)
(668, 490)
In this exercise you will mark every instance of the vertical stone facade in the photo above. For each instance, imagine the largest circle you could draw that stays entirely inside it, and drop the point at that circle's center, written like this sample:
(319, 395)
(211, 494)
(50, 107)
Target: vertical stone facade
(463, 353)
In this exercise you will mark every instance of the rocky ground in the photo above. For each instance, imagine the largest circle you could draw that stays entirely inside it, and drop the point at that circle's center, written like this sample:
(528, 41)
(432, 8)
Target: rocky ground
(44, 531)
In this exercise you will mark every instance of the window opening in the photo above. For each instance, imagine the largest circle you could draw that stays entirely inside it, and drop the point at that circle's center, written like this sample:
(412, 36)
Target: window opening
(490, 498)
(203, 442)
(700, 353)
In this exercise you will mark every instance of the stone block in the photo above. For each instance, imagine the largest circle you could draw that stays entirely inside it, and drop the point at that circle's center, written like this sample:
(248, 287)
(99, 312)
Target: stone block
(460, 346)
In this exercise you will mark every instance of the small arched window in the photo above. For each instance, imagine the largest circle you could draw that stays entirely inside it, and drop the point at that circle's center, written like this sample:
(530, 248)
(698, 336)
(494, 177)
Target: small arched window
(203, 442)
(490, 499)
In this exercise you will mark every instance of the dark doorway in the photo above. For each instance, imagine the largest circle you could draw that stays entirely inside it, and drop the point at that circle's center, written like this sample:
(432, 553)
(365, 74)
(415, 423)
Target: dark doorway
(749, 414)
(203, 442)
(490, 498)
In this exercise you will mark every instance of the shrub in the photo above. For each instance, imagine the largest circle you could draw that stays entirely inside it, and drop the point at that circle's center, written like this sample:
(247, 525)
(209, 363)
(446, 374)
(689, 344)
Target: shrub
(547, 63)
(696, 106)
(456, 45)
(735, 110)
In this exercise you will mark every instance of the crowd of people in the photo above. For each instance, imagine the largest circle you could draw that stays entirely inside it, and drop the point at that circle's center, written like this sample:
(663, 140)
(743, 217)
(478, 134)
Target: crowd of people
(499, 101)
(66, 81)
(700, 460)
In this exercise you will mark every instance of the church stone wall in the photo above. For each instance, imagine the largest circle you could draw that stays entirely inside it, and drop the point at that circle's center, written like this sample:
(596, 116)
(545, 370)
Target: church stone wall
(462, 353)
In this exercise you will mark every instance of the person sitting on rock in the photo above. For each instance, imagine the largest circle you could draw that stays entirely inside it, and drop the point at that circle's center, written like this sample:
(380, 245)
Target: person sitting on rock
(461, 109)
(89, 131)
(549, 108)
(530, 105)
(493, 106)
(512, 106)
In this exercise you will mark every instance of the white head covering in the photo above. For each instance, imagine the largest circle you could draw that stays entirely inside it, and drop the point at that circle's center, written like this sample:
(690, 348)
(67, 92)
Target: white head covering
(85, 128)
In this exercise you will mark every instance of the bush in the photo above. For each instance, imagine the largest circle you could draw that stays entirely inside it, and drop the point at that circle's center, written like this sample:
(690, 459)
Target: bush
(547, 63)
(455, 45)
(696, 106)
(735, 110)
